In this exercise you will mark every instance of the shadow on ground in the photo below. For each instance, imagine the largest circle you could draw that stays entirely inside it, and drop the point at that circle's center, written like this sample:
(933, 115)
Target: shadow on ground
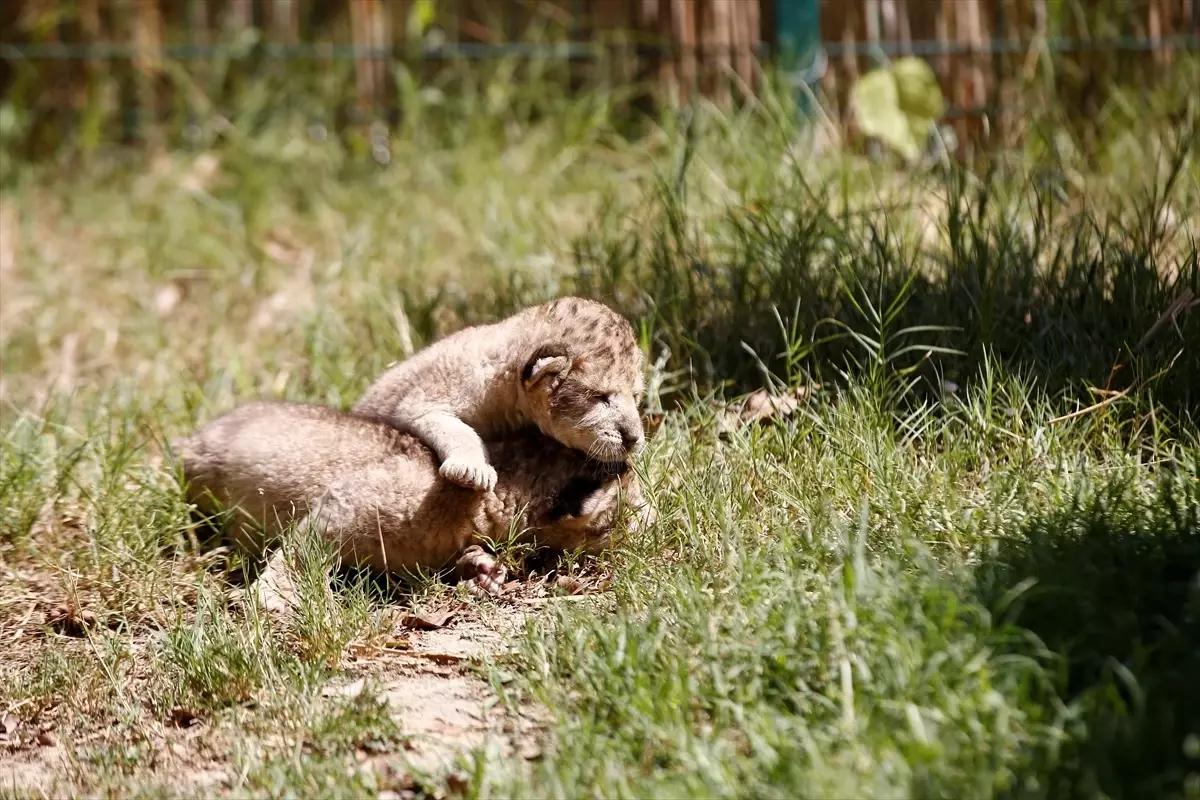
(1115, 598)
(1049, 290)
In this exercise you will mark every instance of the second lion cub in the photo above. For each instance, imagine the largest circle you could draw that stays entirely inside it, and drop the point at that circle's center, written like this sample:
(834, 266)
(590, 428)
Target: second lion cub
(373, 492)
(571, 366)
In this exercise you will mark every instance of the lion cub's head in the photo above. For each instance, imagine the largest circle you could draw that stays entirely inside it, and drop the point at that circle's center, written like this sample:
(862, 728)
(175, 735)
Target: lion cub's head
(584, 382)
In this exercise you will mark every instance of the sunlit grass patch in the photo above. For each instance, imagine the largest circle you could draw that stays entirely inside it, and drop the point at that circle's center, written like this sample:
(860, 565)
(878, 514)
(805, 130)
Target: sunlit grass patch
(963, 564)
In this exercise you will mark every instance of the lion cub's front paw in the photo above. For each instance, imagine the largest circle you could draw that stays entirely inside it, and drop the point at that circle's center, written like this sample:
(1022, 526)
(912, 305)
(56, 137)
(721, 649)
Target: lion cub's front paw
(471, 474)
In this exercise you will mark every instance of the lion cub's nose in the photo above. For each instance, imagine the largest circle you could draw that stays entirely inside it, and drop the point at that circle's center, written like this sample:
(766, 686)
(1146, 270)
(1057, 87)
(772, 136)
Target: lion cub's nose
(632, 439)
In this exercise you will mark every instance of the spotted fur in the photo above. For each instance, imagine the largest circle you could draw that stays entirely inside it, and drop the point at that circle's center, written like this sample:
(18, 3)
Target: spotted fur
(570, 367)
(374, 493)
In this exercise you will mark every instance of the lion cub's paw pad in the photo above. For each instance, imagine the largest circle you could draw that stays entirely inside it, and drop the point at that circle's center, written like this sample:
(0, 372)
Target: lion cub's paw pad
(481, 571)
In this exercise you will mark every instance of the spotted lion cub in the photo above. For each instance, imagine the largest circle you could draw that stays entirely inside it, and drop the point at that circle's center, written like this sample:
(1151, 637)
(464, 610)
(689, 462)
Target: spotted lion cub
(571, 367)
(374, 492)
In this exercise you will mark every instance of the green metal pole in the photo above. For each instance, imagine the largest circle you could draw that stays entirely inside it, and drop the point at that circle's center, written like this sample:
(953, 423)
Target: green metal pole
(799, 37)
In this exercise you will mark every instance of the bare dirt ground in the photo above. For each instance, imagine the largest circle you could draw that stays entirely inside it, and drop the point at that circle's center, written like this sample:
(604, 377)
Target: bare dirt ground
(426, 669)
(442, 703)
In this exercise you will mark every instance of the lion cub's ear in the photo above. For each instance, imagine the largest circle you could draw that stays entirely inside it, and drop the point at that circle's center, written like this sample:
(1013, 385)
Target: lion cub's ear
(549, 359)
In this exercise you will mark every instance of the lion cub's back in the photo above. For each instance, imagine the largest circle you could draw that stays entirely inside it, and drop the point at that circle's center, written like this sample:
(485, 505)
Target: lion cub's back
(454, 370)
(262, 456)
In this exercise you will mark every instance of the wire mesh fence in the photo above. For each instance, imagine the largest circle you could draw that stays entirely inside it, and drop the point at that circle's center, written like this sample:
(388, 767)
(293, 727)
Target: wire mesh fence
(121, 68)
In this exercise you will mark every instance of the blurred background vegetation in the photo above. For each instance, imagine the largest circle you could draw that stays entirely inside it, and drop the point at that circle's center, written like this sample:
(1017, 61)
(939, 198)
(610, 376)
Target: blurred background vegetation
(78, 74)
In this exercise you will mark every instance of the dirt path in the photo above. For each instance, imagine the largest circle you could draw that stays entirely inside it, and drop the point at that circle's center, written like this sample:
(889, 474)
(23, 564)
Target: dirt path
(441, 702)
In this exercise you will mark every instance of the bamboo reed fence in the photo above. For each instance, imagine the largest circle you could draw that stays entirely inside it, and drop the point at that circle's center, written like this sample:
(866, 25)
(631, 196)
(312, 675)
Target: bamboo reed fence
(983, 51)
(58, 56)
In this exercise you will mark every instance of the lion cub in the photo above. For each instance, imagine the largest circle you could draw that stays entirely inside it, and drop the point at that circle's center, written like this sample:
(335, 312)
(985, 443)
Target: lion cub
(572, 367)
(376, 494)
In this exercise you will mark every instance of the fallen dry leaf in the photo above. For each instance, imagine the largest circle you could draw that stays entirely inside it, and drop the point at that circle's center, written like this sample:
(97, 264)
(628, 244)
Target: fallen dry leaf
(47, 739)
(369, 650)
(570, 584)
(761, 407)
(442, 658)
(429, 620)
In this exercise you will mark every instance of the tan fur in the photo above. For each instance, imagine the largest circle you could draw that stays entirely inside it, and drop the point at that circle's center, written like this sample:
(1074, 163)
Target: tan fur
(375, 492)
(571, 367)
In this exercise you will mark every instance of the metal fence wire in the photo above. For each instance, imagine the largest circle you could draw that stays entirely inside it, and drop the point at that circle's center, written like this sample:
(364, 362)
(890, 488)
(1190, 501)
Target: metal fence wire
(67, 63)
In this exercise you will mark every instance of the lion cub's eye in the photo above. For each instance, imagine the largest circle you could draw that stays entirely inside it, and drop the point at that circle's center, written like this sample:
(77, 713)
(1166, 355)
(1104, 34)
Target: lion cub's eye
(606, 399)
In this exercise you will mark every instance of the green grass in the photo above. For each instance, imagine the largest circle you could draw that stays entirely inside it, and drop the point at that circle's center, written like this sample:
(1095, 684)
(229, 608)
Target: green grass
(934, 578)
(847, 614)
